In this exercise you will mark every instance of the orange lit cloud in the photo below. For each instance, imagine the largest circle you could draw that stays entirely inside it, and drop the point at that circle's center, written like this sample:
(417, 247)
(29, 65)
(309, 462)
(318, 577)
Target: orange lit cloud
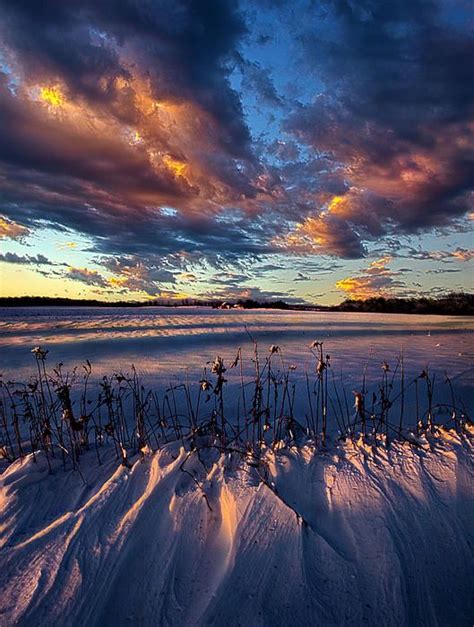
(128, 153)
(175, 165)
(375, 280)
(463, 254)
(396, 182)
(12, 230)
(327, 232)
(52, 96)
(86, 276)
(161, 139)
(133, 275)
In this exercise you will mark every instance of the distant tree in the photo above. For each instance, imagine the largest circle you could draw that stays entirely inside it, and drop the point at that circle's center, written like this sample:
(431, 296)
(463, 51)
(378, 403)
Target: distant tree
(456, 303)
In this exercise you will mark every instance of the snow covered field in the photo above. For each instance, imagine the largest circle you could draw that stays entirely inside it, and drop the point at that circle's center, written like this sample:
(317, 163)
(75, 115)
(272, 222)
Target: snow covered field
(354, 533)
(382, 537)
(174, 344)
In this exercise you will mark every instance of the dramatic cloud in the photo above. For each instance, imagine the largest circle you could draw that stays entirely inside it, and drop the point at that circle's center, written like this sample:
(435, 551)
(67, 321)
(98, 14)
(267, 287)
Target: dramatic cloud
(109, 115)
(398, 114)
(185, 138)
(376, 280)
(326, 232)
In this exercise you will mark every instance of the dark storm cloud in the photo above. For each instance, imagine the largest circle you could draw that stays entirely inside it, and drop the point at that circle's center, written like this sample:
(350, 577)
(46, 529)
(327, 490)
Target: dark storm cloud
(74, 158)
(398, 110)
(119, 120)
(182, 45)
(72, 166)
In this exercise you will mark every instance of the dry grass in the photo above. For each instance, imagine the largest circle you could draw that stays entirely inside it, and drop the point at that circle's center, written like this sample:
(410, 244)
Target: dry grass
(64, 414)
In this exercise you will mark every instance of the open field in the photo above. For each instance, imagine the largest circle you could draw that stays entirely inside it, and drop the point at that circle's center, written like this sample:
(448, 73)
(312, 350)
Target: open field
(165, 343)
(276, 484)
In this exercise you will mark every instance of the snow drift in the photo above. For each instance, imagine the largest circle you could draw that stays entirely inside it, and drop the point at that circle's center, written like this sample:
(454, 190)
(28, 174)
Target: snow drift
(355, 534)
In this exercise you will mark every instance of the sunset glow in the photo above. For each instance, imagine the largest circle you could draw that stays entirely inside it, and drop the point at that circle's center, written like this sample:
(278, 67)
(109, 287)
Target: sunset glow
(223, 146)
(236, 312)
(177, 167)
(52, 96)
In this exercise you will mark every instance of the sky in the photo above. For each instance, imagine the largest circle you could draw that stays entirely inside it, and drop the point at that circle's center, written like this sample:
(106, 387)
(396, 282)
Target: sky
(311, 151)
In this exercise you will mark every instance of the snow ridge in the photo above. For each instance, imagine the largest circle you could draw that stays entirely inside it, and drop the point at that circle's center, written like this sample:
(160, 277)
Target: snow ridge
(356, 534)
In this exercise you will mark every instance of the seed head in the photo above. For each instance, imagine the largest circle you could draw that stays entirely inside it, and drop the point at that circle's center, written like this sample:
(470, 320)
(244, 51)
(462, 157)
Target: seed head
(217, 366)
(358, 402)
(321, 366)
(39, 352)
(205, 385)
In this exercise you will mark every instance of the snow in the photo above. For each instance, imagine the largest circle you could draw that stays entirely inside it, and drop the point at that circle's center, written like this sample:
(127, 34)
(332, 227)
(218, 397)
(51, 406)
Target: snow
(166, 343)
(354, 534)
(172, 345)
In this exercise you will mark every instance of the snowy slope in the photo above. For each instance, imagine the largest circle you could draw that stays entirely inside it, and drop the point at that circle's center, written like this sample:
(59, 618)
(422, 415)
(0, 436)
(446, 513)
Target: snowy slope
(382, 537)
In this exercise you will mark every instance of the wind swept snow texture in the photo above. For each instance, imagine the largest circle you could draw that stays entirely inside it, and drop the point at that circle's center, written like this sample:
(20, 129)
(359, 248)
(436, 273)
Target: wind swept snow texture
(381, 537)
(171, 345)
(166, 342)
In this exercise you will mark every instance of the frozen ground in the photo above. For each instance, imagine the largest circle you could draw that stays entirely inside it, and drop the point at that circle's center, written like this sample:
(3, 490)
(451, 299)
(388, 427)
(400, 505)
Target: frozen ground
(383, 537)
(174, 344)
(357, 534)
